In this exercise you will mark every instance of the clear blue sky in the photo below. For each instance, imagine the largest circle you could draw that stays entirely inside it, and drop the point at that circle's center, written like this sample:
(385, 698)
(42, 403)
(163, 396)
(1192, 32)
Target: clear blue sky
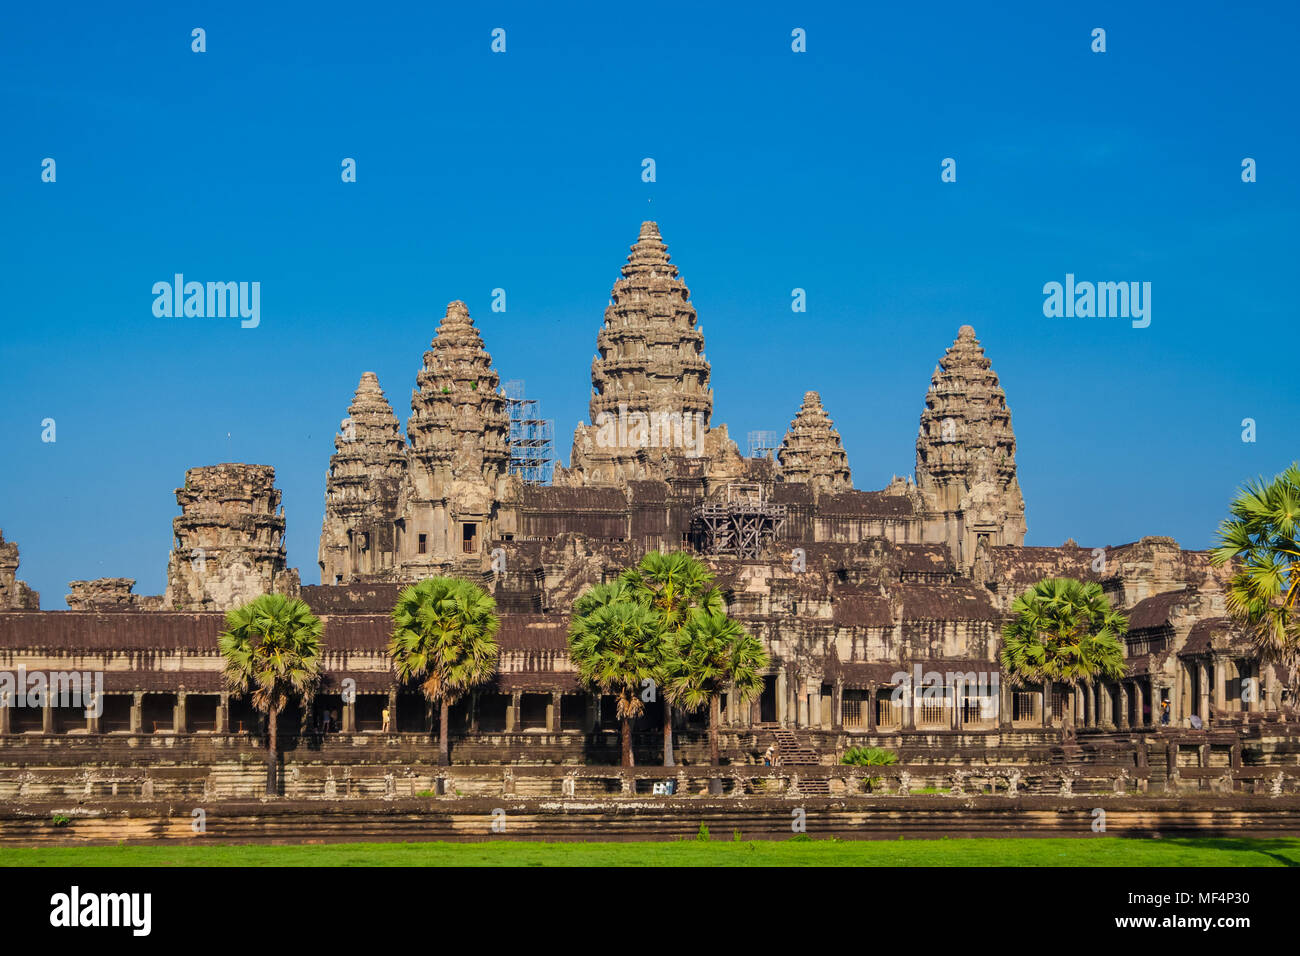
(522, 170)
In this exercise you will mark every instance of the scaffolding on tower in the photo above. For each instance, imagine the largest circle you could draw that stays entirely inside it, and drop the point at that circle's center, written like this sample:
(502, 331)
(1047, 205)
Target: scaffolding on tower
(532, 438)
(763, 443)
(743, 522)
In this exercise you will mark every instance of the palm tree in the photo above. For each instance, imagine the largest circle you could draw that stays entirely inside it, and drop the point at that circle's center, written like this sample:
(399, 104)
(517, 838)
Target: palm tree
(1063, 630)
(708, 654)
(676, 585)
(615, 645)
(444, 635)
(1264, 592)
(272, 652)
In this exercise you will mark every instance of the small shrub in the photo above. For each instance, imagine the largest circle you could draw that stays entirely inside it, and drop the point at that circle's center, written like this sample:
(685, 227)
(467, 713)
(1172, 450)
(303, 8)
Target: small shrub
(703, 835)
(869, 757)
(735, 836)
(60, 819)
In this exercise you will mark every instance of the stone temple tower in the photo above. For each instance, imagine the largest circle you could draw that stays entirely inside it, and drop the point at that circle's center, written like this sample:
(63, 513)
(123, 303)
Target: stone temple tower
(458, 457)
(650, 395)
(229, 540)
(966, 455)
(812, 452)
(358, 536)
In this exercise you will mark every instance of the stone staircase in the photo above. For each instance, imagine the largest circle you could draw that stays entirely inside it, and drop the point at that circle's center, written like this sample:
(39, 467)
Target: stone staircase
(792, 752)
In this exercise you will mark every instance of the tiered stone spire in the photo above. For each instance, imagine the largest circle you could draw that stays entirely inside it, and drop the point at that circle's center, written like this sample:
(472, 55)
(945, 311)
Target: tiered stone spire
(458, 425)
(651, 403)
(812, 452)
(651, 351)
(458, 458)
(966, 453)
(361, 492)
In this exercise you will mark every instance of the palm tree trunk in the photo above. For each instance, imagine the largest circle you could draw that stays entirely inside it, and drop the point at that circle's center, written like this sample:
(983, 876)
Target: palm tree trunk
(627, 742)
(668, 734)
(272, 750)
(1070, 705)
(715, 717)
(444, 739)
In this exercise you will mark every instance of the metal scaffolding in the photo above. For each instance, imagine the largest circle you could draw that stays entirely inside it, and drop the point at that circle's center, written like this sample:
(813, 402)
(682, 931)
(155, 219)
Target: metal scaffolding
(743, 523)
(531, 441)
(763, 443)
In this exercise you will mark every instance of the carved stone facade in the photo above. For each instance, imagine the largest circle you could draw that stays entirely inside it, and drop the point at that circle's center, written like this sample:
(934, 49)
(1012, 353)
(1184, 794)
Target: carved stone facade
(229, 540)
(812, 452)
(966, 455)
(15, 595)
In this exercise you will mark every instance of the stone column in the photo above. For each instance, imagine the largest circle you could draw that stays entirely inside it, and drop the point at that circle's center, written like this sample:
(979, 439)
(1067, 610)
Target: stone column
(1004, 704)
(179, 721)
(223, 713)
(1140, 697)
(137, 712)
(1203, 679)
(1123, 705)
(6, 702)
(1046, 694)
(92, 721)
(47, 714)
(392, 711)
(512, 715)
(553, 712)
(872, 686)
(801, 702)
(782, 699)
(1250, 673)
(909, 706)
(956, 691)
(1220, 684)
(350, 716)
(1270, 689)
(837, 706)
(592, 719)
(1107, 715)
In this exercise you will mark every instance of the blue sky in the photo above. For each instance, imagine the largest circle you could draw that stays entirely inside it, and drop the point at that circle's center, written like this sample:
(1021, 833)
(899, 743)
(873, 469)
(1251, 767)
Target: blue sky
(522, 170)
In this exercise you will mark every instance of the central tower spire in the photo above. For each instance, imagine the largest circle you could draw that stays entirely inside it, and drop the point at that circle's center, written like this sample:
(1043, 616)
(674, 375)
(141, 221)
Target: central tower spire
(651, 349)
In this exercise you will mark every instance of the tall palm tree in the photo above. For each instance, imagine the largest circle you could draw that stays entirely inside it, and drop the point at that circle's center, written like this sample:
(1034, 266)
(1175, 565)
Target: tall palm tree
(1264, 593)
(272, 652)
(444, 635)
(1063, 630)
(675, 585)
(710, 653)
(615, 645)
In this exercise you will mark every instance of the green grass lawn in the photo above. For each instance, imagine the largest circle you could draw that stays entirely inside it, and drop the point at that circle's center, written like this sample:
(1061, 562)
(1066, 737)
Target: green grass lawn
(1099, 851)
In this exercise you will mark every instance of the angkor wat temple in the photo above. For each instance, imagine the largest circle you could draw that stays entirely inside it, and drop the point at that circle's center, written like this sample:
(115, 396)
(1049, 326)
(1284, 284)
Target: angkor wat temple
(848, 589)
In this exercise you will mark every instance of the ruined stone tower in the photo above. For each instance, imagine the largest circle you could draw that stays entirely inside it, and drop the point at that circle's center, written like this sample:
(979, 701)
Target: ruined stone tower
(650, 400)
(458, 456)
(15, 595)
(811, 451)
(361, 493)
(229, 540)
(966, 455)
